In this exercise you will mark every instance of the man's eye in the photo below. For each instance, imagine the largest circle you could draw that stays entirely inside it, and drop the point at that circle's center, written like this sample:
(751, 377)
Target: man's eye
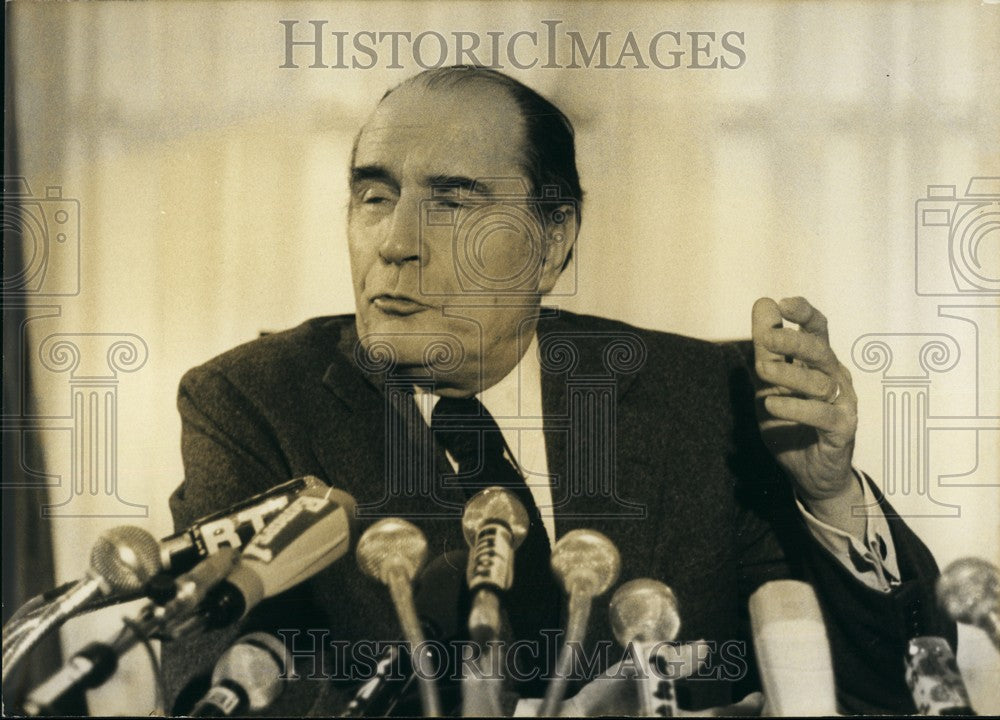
(374, 197)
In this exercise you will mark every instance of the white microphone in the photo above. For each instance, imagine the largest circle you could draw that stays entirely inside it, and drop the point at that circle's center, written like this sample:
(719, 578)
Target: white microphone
(247, 678)
(393, 551)
(644, 617)
(122, 560)
(587, 564)
(793, 652)
(969, 591)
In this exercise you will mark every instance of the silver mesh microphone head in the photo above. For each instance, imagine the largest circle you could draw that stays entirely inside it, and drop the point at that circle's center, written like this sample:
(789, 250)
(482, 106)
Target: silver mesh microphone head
(257, 662)
(124, 558)
(391, 543)
(495, 504)
(969, 590)
(644, 610)
(586, 561)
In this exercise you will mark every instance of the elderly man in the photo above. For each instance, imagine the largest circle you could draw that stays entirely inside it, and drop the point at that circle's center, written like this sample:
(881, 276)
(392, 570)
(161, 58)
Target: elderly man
(465, 205)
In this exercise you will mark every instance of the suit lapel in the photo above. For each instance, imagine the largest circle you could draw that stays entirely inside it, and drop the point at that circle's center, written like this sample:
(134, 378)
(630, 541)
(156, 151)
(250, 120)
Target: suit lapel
(582, 386)
(389, 424)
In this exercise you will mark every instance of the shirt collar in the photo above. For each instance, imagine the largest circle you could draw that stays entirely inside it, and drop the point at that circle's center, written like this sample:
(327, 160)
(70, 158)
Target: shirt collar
(505, 399)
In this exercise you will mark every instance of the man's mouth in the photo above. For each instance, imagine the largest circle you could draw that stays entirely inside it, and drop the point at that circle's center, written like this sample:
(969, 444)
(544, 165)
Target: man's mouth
(398, 304)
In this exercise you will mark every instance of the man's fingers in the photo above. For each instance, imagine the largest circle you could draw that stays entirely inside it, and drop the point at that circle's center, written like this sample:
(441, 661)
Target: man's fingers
(810, 349)
(764, 318)
(798, 379)
(815, 413)
(803, 314)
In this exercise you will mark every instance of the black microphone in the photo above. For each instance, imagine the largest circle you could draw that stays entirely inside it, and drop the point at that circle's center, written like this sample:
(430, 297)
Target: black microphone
(232, 527)
(314, 531)
(440, 600)
(248, 677)
(495, 524)
(933, 678)
(98, 661)
(969, 591)
(122, 560)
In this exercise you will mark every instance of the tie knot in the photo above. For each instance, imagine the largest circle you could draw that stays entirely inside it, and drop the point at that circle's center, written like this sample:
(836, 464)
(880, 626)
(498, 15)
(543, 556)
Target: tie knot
(468, 431)
(451, 407)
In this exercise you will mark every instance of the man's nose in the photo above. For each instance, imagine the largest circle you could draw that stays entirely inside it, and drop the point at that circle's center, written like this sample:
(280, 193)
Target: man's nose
(402, 241)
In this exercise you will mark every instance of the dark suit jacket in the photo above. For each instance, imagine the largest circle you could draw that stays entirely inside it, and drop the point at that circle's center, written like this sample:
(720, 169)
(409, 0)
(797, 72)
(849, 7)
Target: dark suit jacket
(692, 498)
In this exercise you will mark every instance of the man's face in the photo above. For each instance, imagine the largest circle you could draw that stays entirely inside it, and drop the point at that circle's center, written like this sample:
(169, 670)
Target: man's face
(461, 267)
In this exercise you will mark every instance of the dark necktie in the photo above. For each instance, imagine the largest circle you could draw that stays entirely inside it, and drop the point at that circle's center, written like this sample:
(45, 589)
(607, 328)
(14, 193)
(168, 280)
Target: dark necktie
(468, 431)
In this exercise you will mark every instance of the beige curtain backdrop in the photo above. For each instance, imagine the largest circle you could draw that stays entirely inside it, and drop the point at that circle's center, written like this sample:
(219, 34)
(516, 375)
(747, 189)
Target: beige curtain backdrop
(212, 195)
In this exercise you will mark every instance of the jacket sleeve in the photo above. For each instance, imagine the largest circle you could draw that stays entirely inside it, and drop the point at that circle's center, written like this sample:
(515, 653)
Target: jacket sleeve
(868, 629)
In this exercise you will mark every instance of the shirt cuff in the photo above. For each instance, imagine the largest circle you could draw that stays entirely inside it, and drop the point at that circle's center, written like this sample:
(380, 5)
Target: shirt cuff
(871, 559)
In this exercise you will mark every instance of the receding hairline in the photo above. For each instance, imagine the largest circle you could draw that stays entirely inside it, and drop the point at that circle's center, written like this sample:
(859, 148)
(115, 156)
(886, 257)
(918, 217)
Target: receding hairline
(452, 80)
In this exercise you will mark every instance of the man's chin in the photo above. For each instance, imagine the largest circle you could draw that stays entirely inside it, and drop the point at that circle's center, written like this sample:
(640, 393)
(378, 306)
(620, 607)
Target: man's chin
(410, 343)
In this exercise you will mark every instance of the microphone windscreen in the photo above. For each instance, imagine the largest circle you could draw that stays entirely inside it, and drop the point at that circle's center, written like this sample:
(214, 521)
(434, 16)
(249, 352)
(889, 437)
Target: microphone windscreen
(793, 652)
(933, 678)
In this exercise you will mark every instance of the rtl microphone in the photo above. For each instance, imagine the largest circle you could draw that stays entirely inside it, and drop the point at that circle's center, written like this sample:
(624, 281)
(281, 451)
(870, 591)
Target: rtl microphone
(98, 661)
(393, 551)
(933, 678)
(793, 652)
(248, 677)
(587, 564)
(314, 531)
(644, 617)
(232, 527)
(969, 591)
(495, 524)
(122, 560)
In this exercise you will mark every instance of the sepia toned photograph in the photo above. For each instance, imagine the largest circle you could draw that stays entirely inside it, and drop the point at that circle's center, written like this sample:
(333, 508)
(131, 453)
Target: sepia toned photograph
(534, 359)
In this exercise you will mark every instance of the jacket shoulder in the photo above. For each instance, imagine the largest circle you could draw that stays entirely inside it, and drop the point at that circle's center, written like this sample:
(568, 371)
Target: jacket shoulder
(275, 359)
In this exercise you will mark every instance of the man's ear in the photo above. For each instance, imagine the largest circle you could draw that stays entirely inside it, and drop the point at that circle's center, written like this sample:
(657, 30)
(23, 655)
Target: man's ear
(560, 229)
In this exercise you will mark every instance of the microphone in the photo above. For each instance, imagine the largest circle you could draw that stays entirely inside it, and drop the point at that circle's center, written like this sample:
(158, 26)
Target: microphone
(644, 612)
(495, 524)
(393, 551)
(178, 553)
(439, 596)
(933, 678)
(233, 526)
(969, 591)
(310, 534)
(123, 559)
(586, 563)
(248, 677)
(793, 652)
(98, 661)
